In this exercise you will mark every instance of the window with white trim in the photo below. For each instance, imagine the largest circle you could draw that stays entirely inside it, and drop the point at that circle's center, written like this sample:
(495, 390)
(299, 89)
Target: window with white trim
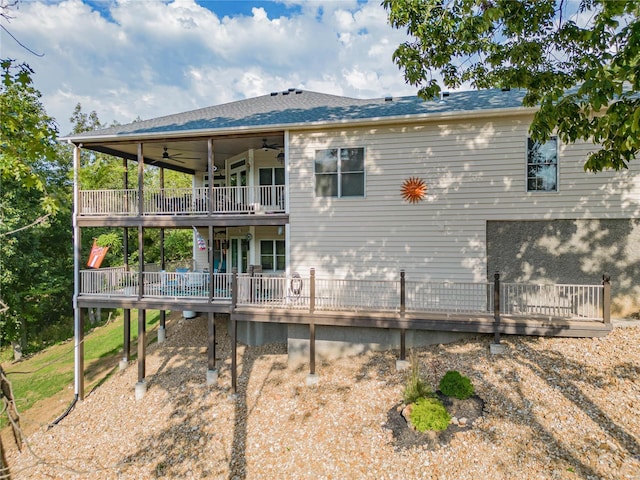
(339, 172)
(272, 186)
(272, 255)
(542, 165)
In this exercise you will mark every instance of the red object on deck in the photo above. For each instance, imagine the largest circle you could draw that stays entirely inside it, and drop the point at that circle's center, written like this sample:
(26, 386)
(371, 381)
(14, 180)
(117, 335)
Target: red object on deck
(97, 255)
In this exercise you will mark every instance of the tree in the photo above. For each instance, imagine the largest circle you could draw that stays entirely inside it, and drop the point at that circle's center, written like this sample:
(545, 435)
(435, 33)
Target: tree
(27, 134)
(35, 215)
(36, 264)
(580, 68)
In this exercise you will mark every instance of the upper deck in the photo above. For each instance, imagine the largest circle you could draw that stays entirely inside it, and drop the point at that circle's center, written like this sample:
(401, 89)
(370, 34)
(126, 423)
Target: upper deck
(258, 205)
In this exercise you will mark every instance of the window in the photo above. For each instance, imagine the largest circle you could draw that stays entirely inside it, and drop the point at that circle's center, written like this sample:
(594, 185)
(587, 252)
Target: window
(218, 180)
(542, 166)
(273, 178)
(339, 172)
(272, 255)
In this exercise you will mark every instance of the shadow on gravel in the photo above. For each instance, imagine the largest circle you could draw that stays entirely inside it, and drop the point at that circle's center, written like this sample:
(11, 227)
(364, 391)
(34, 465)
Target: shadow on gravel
(170, 448)
(238, 461)
(563, 376)
(182, 447)
(181, 373)
(574, 373)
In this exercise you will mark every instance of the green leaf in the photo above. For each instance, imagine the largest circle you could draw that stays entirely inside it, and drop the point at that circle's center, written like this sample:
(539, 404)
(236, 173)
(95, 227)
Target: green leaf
(532, 45)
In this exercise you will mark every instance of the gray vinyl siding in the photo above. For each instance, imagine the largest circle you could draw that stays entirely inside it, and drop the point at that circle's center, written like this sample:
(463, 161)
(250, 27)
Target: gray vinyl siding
(475, 171)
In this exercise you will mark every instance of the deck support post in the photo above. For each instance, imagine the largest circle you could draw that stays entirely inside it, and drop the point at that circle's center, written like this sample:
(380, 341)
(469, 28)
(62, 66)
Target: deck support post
(403, 307)
(312, 378)
(212, 371)
(126, 341)
(496, 347)
(140, 262)
(234, 332)
(312, 347)
(312, 290)
(79, 353)
(141, 386)
(210, 261)
(140, 179)
(606, 299)
(162, 328)
(496, 306)
(125, 233)
(234, 355)
(210, 175)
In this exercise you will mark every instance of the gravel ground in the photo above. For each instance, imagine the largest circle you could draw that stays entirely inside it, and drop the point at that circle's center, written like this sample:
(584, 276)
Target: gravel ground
(553, 409)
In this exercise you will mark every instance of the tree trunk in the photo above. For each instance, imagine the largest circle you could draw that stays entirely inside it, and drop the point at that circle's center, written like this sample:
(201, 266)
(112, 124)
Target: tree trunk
(17, 351)
(4, 467)
(23, 335)
(8, 404)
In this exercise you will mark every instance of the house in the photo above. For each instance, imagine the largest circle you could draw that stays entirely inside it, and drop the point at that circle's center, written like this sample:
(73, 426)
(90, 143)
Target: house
(296, 189)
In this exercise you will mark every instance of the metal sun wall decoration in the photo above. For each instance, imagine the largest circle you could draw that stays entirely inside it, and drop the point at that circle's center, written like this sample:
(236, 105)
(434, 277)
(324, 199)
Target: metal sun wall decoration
(414, 189)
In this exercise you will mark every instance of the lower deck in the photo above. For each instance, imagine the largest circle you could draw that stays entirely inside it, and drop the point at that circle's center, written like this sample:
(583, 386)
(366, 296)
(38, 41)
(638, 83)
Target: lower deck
(489, 307)
(389, 308)
(537, 325)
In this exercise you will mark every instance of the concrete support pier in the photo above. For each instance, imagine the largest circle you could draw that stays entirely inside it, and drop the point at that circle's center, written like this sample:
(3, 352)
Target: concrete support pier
(212, 377)
(141, 389)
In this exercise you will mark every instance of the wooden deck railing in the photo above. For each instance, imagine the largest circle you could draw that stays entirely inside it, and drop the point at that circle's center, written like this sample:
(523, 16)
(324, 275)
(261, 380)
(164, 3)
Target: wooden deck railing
(108, 202)
(583, 302)
(108, 281)
(184, 201)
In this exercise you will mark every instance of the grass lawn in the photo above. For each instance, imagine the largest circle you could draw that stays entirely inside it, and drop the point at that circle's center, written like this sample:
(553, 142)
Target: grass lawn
(48, 372)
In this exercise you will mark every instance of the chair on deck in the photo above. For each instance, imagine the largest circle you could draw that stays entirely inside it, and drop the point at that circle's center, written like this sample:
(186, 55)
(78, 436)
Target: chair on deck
(196, 283)
(168, 283)
(181, 274)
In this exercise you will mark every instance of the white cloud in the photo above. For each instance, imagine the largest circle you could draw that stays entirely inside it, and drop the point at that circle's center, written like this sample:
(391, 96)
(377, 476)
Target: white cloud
(149, 58)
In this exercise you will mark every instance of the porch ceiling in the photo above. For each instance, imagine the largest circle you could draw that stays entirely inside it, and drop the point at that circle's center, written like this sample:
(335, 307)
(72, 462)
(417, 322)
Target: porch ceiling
(188, 154)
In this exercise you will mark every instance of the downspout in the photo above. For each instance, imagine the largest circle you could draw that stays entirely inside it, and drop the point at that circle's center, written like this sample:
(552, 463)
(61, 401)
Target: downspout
(78, 371)
(287, 195)
(77, 314)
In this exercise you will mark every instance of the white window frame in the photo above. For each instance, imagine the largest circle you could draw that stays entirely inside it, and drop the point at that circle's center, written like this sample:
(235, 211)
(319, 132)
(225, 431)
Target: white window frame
(339, 173)
(275, 254)
(529, 164)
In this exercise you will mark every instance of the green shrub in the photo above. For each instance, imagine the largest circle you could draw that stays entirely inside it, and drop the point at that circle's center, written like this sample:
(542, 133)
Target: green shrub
(453, 384)
(429, 414)
(415, 387)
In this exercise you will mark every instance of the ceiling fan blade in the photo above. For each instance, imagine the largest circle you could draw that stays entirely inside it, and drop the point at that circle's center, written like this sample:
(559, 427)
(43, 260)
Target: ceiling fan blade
(269, 146)
(173, 156)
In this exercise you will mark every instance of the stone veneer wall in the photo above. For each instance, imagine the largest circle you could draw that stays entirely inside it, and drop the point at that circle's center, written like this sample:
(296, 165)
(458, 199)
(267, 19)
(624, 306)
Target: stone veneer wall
(570, 251)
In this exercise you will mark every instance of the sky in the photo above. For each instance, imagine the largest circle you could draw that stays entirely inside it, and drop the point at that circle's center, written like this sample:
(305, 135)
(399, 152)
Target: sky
(129, 59)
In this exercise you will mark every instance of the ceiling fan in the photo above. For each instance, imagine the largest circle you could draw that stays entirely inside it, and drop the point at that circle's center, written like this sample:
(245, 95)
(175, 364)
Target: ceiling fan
(269, 146)
(166, 156)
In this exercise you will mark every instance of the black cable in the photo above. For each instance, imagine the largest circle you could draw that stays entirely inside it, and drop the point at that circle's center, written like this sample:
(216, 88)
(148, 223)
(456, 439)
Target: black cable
(69, 408)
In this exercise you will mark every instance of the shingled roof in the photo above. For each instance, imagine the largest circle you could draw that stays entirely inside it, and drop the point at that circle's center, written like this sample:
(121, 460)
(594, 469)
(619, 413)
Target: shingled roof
(295, 107)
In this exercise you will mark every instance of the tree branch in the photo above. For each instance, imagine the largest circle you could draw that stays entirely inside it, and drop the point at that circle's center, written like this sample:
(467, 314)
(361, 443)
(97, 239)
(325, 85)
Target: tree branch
(35, 222)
